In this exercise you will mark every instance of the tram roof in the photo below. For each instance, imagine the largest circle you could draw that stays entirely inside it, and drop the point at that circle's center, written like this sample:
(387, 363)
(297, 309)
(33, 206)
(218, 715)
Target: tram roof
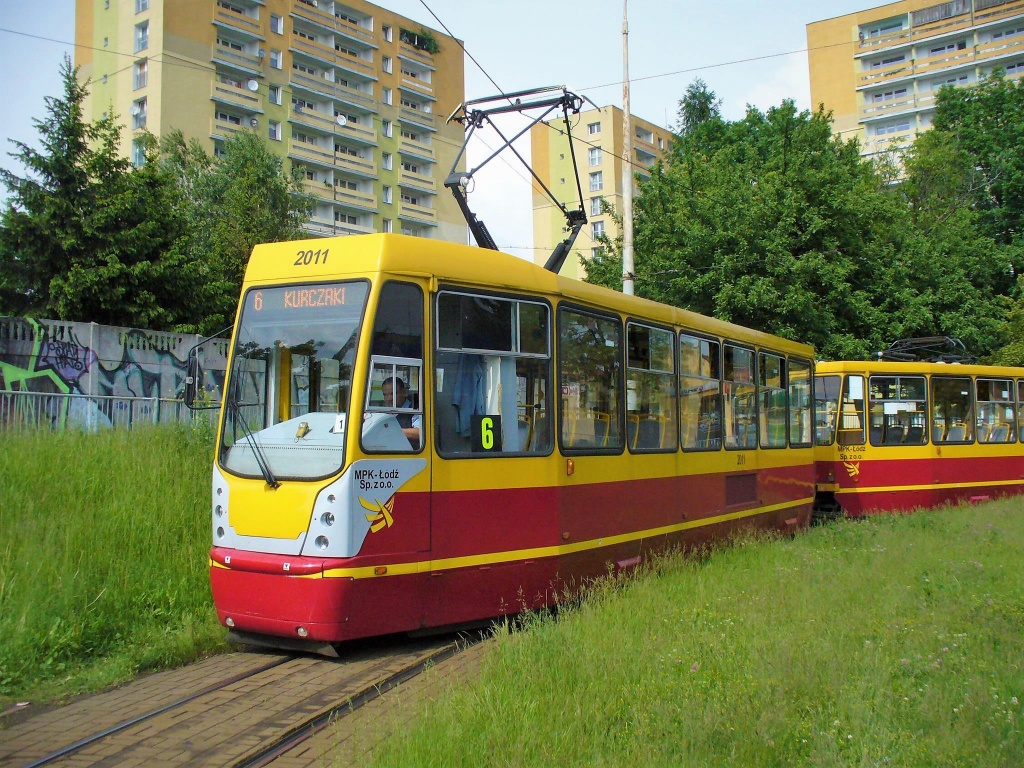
(454, 264)
(893, 368)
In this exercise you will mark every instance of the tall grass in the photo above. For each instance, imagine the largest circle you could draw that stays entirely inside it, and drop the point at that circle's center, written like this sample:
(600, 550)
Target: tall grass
(103, 556)
(895, 641)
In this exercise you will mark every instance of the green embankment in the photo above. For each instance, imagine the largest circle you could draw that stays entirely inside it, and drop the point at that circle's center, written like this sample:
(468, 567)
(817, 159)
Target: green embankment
(895, 641)
(103, 557)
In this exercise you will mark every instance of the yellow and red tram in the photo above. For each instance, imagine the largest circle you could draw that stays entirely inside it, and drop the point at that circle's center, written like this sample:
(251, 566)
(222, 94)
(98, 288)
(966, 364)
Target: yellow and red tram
(901, 435)
(419, 434)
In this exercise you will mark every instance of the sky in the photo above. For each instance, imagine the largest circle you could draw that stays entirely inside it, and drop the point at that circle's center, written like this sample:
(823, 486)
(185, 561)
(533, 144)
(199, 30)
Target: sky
(747, 51)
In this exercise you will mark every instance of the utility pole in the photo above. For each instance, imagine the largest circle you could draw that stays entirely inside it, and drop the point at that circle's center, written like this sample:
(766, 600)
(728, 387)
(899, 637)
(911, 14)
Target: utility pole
(627, 165)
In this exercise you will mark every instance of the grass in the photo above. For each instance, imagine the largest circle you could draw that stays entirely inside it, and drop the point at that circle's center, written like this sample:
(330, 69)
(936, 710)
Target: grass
(103, 558)
(894, 641)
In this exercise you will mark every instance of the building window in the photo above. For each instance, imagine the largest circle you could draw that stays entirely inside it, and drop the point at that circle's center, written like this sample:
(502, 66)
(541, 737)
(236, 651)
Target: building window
(275, 59)
(386, 32)
(139, 153)
(385, 128)
(226, 117)
(596, 229)
(141, 5)
(595, 205)
(594, 156)
(385, 64)
(304, 68)
(596, 181)
(139, 114)
(411, 199)
(141, 36)
(410, 167)
(225, 43)
(593, 128)
(275, 94)
(385, 95)
(141, 74)
(410, 135)
(385, 194)
(387, 226)
(275, 130)
(385, 161)
(277, 24)
(661, 142)
(106, 41)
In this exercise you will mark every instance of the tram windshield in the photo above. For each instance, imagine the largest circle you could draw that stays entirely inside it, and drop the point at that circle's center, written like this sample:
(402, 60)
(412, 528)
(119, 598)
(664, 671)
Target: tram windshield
(290, 383)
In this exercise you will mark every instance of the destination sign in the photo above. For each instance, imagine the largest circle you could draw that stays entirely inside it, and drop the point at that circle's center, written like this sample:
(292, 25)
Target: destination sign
(298, 298)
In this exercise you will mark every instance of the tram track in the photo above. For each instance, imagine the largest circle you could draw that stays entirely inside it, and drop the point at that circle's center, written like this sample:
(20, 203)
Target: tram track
(243, 720)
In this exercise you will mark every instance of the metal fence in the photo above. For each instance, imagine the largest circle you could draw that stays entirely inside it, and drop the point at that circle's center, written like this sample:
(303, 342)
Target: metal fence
(35, 410)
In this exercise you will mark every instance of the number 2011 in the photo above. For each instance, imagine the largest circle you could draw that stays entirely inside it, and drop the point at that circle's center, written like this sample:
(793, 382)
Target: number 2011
(305, 258)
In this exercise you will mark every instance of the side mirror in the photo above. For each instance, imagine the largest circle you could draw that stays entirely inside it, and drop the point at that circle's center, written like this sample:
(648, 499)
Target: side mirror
(193, 377)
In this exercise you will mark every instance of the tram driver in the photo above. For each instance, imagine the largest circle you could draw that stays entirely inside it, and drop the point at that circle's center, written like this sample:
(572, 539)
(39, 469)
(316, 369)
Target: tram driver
(396, 395)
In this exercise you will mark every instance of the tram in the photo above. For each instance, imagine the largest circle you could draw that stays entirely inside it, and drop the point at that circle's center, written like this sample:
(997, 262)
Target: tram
(894, 436)
(419, 434)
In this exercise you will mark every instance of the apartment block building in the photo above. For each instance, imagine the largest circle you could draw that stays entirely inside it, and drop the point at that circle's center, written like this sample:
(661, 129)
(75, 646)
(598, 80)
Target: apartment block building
(879, 70)
(352, 95)
(598, 144)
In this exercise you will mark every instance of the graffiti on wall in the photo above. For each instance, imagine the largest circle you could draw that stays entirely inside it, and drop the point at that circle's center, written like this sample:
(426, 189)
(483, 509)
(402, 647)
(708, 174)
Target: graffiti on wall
(65, 358)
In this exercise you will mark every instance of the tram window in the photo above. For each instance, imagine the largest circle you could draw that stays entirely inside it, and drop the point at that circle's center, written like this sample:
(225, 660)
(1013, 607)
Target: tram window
(995, 411)
(898, 410)
(290, 380)
(952, 409)
(826, 408)
(740, 394)
(800, 420)
(772, 388)
(650, 389)
(590, 356)
(700, 393)
(492, 372)
(394, 393)
(1020, 410)
(851, 415)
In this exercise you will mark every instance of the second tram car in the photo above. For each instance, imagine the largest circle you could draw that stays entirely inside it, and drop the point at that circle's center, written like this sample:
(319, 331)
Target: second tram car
(897, 436)
(420, 434)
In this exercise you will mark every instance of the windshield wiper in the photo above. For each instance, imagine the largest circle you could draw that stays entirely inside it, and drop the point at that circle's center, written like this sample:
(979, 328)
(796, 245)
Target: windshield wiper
(250, 438)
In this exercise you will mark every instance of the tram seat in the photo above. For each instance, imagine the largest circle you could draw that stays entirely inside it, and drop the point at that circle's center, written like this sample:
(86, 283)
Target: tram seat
(956, 434)
(894, 435)
(525, 433)
(649, 434)
(876, 435)
(1000, 434)
(915, 435)
(541, 441)
(984, 433)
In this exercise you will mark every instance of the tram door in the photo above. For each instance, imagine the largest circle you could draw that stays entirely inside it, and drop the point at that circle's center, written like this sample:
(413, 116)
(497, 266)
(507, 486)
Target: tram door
(393, 433)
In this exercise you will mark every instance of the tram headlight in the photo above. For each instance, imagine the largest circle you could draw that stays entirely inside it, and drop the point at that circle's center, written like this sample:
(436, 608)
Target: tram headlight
(220, 533)
(327, 519)
(322, 542)
(218, 511)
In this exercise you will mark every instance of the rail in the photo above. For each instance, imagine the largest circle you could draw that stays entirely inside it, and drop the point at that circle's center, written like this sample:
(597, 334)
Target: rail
(22, 411)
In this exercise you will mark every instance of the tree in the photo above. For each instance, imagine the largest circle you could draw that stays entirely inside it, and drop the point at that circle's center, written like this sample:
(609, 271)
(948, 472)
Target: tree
(86, 236)
(697, 107)
(232, 203)
(769, 222)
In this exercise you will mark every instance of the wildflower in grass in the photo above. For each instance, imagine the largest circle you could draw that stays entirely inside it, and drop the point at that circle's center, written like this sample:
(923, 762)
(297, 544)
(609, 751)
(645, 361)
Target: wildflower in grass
(695, 667)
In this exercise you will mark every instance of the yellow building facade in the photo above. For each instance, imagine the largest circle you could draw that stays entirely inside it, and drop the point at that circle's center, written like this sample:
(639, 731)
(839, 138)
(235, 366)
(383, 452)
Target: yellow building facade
(879, 70)
(598, 144)
(351, 94)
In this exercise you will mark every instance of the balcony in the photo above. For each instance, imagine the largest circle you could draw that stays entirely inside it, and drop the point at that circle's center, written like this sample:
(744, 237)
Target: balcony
(310, 153)
(332, 193)
(317, 120)
(315, 15)
(988, 53)
(415, 54)
(247, 62)
(237, 21)
(417, 181)
(996, 48)
(417, 117)
(323, 227)
(418, 214)
(331, 89)
(418, 149)
(319, 51)
(238, 97)
(882, 143)
(222, 128)
(952, 25)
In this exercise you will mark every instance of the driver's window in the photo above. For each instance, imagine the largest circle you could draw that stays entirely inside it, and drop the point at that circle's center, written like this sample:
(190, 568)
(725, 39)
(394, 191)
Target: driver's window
(393, 418)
